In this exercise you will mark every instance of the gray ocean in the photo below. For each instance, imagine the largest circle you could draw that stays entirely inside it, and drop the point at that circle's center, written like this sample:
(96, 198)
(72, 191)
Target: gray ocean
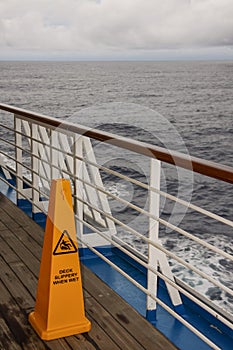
(186, 106)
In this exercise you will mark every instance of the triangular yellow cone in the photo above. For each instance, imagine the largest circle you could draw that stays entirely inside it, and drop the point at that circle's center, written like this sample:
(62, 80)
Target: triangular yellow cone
(59, 309)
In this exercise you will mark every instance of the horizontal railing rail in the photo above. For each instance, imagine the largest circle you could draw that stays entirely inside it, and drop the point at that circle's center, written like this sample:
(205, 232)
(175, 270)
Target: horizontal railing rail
(42, 148)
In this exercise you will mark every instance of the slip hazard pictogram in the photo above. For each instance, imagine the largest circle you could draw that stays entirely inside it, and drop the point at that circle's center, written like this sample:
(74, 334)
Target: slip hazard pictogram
(65, 245)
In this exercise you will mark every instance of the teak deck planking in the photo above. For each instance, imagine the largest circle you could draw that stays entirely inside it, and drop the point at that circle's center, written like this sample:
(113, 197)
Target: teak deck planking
(115, 324)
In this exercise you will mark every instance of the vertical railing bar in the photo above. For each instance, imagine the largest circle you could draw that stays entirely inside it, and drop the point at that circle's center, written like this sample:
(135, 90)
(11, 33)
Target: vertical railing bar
(95, 174)
(43, 141)
(35, 167)
(54, 160)
(18, 157)
(154, 203)
(78, 185)
(157, 257)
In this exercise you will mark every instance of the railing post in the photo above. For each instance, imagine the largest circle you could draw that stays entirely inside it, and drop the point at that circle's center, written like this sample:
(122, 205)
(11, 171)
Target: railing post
(44, 151)
(55, 174)
(155, 256)
(154, 200)
(18, 159)
(78, 185)
(100, 197)
(35, 171)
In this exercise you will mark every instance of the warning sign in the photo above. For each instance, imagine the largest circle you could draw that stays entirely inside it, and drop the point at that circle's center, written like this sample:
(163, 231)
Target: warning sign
(65, 245)
(64, 276)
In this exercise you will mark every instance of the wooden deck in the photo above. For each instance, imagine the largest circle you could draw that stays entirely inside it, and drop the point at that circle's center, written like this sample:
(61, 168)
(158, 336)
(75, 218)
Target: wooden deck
(115, 324)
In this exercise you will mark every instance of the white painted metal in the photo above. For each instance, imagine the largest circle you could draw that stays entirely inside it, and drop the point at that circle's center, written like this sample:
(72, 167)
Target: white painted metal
(35, 167)
(78, 185)
(55, 156)
(157, 258)
(19, 160)
(153, 252)
(97, 180)
(89, 194)
(45, 150)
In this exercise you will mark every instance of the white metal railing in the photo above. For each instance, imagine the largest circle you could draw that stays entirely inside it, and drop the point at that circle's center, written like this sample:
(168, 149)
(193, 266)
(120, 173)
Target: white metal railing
(42, 151)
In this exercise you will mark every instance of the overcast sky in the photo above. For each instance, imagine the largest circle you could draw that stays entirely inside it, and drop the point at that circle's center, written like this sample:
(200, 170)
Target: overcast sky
(116, 29)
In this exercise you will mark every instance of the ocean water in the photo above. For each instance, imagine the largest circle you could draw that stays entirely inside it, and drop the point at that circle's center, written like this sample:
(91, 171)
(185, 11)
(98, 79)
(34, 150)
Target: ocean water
(185, 106)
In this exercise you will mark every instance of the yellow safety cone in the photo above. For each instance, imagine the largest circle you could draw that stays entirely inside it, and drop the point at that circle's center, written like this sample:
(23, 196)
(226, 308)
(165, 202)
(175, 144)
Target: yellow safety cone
(59, 309)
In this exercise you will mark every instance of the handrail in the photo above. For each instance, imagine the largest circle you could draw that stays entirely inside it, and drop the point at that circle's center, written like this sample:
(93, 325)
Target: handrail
(198, 165)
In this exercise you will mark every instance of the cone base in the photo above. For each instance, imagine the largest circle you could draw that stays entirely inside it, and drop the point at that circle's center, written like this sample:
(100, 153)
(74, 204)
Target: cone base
(83, 327)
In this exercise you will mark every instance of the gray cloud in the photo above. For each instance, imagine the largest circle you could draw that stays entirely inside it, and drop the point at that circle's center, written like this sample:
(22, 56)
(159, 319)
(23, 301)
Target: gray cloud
(111, 26)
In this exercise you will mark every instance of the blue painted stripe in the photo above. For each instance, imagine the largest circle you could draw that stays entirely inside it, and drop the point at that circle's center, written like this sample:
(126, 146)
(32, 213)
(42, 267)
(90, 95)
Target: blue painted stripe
(151, 315)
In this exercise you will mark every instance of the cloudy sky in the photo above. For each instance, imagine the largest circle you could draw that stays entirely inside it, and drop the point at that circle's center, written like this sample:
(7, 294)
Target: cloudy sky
(116, 29)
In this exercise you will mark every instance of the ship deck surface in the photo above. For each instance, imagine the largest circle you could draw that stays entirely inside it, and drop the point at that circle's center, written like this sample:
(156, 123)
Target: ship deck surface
(115, 324)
